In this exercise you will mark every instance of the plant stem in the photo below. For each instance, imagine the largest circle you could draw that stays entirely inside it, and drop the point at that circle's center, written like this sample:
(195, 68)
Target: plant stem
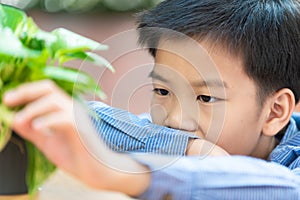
(6, 118)
(6, 114)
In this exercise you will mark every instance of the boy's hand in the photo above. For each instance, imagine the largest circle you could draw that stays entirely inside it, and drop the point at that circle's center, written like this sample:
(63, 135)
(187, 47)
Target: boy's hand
(48, 120)
(204, 148)
(47, 111)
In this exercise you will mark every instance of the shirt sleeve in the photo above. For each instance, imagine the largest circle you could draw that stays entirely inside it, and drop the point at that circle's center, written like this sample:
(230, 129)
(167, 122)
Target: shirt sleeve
(125, 132)
(232, 177)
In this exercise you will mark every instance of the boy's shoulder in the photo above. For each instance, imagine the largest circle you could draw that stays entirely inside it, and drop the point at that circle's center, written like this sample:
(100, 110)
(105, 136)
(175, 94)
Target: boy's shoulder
(287, 152)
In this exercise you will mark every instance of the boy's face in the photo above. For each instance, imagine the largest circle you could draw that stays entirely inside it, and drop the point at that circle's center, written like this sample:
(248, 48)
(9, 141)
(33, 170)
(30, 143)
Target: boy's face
(207, 93)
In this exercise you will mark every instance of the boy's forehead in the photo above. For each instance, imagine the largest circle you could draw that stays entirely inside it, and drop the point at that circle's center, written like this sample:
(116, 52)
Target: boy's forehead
(192, 50)
(201, 61)
(187, 52)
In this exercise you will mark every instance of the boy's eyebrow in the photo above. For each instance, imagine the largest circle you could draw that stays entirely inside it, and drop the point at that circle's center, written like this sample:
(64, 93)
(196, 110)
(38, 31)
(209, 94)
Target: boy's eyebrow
(154, 75)
(206, 83)
(211, 83)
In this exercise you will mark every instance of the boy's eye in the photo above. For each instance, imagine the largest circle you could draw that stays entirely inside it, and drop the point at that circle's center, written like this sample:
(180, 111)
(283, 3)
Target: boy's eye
(161, 92)
(206, 99)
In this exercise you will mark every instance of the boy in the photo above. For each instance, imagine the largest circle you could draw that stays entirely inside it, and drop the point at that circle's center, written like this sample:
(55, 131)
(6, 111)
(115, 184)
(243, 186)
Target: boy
(237, 85)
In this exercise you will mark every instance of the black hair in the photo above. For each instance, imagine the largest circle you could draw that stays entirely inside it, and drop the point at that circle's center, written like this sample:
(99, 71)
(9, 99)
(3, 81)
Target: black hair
(264, 33)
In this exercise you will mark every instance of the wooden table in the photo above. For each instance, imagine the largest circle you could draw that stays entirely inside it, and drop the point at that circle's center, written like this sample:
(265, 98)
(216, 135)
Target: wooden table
(60, 186)
(17, 197)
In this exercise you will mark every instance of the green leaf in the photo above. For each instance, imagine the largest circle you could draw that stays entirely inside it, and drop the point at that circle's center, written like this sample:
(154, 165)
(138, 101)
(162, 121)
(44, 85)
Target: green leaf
(86, 56)
(6, 117)
(11, 17)
(47, 38)
(11, 46)
(40, 168)
(72, 56)
(68, 40)
(73, 81)
(98, 60)
(25, 51)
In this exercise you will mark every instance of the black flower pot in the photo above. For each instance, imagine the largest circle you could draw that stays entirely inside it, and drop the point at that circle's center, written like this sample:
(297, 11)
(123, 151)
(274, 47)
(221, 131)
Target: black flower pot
(13, 165)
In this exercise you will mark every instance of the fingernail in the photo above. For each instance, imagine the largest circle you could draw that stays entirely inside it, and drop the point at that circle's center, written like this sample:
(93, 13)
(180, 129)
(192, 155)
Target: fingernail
(9, 95)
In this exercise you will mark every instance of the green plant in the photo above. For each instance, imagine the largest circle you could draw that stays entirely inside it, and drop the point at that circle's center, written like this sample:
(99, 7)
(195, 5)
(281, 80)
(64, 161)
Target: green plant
(28, 54)
(86, 5)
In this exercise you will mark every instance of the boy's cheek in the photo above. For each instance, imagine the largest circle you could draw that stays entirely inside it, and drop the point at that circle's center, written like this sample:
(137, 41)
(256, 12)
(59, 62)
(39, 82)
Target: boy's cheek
(158, 114)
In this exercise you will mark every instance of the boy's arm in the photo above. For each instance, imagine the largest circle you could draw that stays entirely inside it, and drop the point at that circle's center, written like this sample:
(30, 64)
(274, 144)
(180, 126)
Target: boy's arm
(228, 177)
(48, 121)
(125, 132)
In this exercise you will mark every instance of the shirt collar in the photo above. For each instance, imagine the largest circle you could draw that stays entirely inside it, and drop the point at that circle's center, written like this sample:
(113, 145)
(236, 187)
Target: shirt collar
(287, 153)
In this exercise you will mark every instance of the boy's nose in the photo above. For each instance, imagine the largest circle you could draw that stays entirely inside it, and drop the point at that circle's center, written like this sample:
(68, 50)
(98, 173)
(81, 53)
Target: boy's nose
(178, 118)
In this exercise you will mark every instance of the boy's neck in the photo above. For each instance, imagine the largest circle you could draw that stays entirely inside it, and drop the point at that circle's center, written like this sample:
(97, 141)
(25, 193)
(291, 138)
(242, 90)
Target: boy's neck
(265, 147)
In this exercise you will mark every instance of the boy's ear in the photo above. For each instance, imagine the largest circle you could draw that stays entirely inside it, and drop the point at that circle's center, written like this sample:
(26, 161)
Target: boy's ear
(281, 107)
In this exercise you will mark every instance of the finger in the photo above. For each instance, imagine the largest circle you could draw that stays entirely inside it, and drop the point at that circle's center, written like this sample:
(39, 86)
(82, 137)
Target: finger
(57, 130)
(57, 122)
(25, 130)
(46, 132)
(28, 92)
(50, 103)
(45, 140)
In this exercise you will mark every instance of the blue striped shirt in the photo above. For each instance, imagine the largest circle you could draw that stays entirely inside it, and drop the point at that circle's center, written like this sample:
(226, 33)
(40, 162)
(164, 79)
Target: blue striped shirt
(125, 132)
(179, 177)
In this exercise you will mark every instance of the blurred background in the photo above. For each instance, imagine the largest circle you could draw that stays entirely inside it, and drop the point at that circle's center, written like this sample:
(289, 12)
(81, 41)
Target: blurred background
(110, 22)
(82, 6)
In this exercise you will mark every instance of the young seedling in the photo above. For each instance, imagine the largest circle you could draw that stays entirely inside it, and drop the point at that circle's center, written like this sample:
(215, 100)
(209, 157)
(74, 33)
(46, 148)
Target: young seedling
(28, 54)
